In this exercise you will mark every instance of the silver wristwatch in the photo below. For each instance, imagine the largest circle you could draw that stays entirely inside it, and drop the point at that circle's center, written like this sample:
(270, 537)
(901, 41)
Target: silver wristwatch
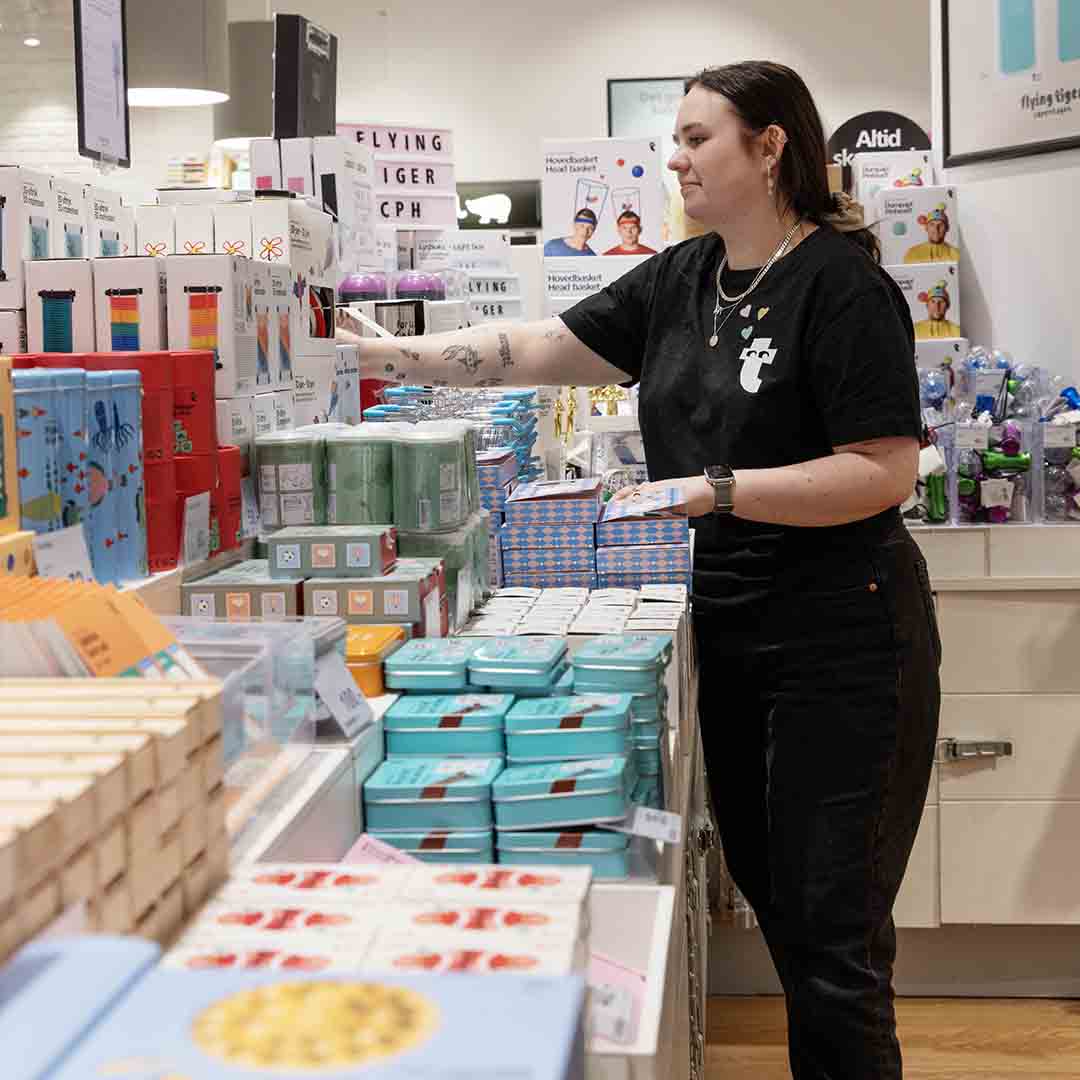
(722, 480)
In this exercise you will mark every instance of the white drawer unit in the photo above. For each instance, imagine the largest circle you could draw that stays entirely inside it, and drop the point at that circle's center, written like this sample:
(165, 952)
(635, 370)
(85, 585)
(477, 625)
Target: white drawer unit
(918, 904)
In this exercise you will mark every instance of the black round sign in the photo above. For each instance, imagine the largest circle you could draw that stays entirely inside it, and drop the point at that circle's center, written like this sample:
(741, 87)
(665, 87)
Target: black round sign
(872, 131)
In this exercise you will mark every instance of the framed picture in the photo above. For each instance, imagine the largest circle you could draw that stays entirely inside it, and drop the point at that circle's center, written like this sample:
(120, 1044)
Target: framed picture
(1010, 78)
(499, 204)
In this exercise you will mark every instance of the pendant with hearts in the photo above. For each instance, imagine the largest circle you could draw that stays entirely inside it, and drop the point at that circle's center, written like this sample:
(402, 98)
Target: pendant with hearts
(747, 332)
(745, 313)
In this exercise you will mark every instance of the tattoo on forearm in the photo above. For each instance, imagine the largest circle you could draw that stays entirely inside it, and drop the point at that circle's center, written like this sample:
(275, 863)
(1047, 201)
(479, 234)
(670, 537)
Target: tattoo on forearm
(554, 335)
(505, 356)
(467, 356)
(489, 382)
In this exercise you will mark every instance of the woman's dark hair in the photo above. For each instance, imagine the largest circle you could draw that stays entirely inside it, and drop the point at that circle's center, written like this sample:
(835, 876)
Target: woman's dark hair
(764, 93)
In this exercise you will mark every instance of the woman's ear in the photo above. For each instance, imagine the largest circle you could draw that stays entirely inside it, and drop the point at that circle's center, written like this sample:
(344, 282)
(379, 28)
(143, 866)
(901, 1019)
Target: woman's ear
(775, 141)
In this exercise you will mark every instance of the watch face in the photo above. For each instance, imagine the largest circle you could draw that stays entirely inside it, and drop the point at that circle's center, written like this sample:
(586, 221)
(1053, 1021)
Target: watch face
(719, 472)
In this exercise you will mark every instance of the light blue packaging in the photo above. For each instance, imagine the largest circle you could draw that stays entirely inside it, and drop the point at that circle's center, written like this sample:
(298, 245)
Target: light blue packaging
(563, 685)
(608, 853)
(557, 560)
(564, 793)
(509, 663)
(516, 537)
(642, 531)
(646, 755)
(128, 477)
(625, 662)
(101, 519)
(643, 558)
(551, 579)
(71, 456)
(636, 579)
(514, 1026)
(431, 665)
(461, 725)
(574, 728)
(407, 794)
(495, 468)
(443, 845)
(37, 430)
(648, 791)
(646, 729)
(650, 706)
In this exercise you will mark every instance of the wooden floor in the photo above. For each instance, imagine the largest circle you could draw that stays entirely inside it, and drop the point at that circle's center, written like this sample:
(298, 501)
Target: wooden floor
(951, 1039)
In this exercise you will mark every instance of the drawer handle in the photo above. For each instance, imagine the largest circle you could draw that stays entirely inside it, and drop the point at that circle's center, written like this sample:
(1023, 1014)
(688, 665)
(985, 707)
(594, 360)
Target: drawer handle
(955, 750)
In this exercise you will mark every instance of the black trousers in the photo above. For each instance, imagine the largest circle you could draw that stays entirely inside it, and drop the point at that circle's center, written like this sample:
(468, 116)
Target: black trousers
(820, 723)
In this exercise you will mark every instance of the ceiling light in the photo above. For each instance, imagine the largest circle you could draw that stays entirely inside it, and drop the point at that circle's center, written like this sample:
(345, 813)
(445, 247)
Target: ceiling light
(161, 97)
(32, 42)
(249, 113)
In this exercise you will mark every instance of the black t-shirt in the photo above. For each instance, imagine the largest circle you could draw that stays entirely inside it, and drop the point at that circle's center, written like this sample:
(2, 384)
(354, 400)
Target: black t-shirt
(820, 354)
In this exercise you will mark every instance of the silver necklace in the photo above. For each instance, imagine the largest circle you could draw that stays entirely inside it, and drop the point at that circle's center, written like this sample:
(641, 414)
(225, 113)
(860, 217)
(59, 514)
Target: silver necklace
(734, 301)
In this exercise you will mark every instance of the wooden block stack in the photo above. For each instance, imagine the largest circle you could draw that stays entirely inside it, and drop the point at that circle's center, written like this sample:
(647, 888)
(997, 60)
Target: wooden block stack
(112, 794)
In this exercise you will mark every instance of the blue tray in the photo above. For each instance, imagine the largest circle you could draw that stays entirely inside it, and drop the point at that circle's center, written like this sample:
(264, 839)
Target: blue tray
(430, 793)
(562, 794)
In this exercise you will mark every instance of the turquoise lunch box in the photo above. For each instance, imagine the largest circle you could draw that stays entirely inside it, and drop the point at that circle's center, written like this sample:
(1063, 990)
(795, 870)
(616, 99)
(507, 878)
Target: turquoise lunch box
(435, 665)
(624, 662)
(608, 853)
(443, 845)
(447, 725)
(406, 794)
(571, 728)
(525, 663)
(563, 793)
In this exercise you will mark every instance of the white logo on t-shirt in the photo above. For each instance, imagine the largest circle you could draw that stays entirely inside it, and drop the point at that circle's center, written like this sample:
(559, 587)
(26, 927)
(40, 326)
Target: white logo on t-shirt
(754, 356)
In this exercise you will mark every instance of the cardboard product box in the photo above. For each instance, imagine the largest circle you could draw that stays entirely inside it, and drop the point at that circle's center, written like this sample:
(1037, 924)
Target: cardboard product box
(126, 220)
(266, 326)
(297, 167)
(941, 352)
(636, 579)
(459, 249)
(195, 229)
(285, 293)
(155, 230)
(549, 579)
(344, 174)
(68, 237)
(243, 592)
(345, 397)
(413, 209)
(546, 537)
(199, 196)
(59, 306)
(885, 169)
(107, 224)
(232, 228)
(631, 558)
(235, 426)
(265, 164)
(130, 309)
(330, 551)
(555, 502)
(12, 332)
(918, 226)
(9, 478)
(541, 560)
(24, 213)
(641, 531)
(292, 231)
(263, 418)
(211, 306)
(314, 379)
(284, 410)
(407, 595)
(933, 295)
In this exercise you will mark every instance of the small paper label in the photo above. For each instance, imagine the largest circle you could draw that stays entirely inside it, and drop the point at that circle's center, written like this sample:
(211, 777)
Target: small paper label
(63, 554)
(611, 1011)
(249, 509)
(996, 493)
(297, 509)
(358, 556)
(340, 694)
(972, 437)
(294, 477)
(270, 517)
(658, 825)
(196, 539)
(1059, 436)
(268, 478)
(396, 602)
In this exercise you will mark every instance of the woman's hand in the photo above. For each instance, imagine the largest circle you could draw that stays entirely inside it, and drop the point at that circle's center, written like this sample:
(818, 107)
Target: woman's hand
(696, 498)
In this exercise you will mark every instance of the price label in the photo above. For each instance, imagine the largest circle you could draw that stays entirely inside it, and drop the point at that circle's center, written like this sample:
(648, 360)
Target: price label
(1059, 436)
(249, 509)
(972, 437)
(63, 554)
(660, 825)
(611, 1013)
(195, 543)
(339, 693)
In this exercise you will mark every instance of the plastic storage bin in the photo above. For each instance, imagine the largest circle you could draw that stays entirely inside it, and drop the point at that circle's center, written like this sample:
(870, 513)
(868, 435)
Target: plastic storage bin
(571, 728)
(563, 794)
(608, 853)
(464, 725)
(366, 650)
(429, 793)
(431, 665)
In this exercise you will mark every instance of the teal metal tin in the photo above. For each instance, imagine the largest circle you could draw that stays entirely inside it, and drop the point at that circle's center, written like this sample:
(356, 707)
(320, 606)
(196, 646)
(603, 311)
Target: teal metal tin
(608, 853)
(562, 687)
(430, 793)
(564, 793)
(431, 665)
(626, 662)
(528, 663)
(573, 728)
(453, 725)
(442, 845)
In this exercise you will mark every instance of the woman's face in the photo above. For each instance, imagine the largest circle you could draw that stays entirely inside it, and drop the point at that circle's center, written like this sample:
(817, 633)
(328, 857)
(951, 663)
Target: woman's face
(720, 171)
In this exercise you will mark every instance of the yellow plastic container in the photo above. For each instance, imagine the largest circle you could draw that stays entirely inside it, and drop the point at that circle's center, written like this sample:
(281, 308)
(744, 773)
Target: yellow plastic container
(366, 647)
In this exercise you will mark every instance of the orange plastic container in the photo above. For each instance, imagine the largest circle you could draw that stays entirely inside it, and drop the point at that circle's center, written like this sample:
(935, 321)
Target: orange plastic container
(366, 648)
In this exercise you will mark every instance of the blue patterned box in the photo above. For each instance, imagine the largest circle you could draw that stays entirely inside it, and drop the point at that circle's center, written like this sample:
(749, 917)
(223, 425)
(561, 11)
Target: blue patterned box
(643, 531)
(639, 578)
(649, 557)
(250, 1025)
(543, 560)
(516, 537)
(495, 499)
(496, 468)
(533, 579)
(443, 845)
(406, 794)
(555, 502)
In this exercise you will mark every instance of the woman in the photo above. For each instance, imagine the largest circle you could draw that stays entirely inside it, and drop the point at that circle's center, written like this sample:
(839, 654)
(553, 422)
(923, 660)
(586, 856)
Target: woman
(774, 354)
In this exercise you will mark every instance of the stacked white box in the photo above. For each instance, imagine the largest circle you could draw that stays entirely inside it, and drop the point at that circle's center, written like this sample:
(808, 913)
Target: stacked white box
(126, 285)
(59, 306)
(285, 298)
(67, 220)
(155, 230)
(194, 225)
(25, 196)
(232, 229)
(265, 165)
(344, 184)
(110, 224)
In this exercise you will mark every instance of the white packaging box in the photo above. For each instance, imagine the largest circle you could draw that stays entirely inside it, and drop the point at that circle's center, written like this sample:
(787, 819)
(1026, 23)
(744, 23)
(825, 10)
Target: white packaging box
(208, 196)
(67, 212)
(284, 290)
(872, 172)
(211, 306)
(265, 164)
(484, 286)
(123, 286)
(24, 215)
(345, 394)
(235, 427)
(263, 418)
(446, 316)
(918, 225)
(403, 318)
(465, 884)
(495, 310)
(126, 221)
(59, 306)
(929, 284)
(12, 332)
(460, 249)
(155, 230)
(284, 410)
(415, 210)
(194, 229)
(232, 229)
(391, 252)
(414, 174)
(396, 954)
(289, 883)
(107, 224)
(314, 378)
(265, 327)
(525, 922)
(572, 277)
(297, 170)
(291, 231)
(343, 183)
(941, 352)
